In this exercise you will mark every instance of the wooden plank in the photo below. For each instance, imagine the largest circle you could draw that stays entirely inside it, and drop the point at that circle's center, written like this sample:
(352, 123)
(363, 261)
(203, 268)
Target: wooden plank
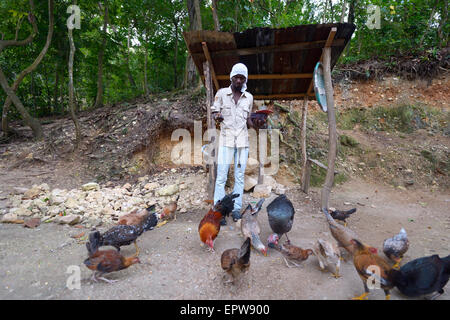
(270, 76)
(280, 96)
(211, 66)
(273, 48)
(211, 125)
(327, 45)
(332, 134)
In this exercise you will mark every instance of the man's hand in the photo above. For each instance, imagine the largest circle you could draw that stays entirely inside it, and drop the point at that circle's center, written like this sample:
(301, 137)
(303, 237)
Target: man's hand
(217, 116)
(259, 120)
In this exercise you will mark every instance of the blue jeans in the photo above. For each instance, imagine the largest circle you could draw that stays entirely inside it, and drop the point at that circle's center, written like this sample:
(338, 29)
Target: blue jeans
(226, 154)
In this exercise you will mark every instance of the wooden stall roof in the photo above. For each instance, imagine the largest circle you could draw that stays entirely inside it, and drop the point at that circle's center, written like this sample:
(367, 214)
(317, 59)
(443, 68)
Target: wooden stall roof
(280, 62)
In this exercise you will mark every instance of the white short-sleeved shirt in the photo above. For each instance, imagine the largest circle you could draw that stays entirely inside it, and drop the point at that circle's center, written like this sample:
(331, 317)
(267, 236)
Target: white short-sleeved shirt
(233, 129)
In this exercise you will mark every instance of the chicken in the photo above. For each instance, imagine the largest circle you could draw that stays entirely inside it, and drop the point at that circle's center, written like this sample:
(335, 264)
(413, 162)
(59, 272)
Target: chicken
(328, 254)
(123, 235)
(209, 226)
(343, 235)
(423, 276)
(169, 212)
(281, 217)
(342, 215)
(371, 265)
(394, 248)
(236, 261)
(292, 253)
(136, 216)
(106, 261)
(250, 227)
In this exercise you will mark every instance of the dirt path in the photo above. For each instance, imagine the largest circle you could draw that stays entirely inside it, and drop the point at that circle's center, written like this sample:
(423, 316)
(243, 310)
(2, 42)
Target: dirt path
(33, 262)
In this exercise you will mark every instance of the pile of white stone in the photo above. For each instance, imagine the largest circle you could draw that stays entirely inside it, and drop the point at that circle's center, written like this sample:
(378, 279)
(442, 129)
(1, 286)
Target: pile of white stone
(93, 204)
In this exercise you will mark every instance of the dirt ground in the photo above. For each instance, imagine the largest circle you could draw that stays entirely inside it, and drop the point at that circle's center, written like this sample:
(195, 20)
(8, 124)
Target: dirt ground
(34, 262)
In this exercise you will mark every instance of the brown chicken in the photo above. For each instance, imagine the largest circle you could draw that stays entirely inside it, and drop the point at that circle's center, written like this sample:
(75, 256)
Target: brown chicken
(371, 265)
(106, 261)
(169, 212)
(343, 235)
(136, 217)
(236, 261)
(292, 253)
(209, 226)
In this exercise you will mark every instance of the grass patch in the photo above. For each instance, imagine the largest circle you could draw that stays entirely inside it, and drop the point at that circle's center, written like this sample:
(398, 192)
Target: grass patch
(405, 118)
(318, 177)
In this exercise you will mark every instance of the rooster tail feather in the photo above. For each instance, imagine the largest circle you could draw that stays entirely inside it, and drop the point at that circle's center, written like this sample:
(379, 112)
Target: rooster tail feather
(244, 252)
(151, 222)
(258, 206)
(95, 241)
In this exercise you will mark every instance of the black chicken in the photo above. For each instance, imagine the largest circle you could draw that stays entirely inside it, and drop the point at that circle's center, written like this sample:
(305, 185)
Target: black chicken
(281, 217)
(422, 276)
(342, 215)
(123, 235)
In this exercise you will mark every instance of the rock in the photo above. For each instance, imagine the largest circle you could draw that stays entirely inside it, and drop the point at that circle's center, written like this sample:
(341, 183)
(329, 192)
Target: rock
(127, 186)
(269, 181)
(252, 166)
(90, 186)
(32, 223)
(53, 211)
(250, 182)
(169, 190)
(44, 187)
(57, 197)
(183, 210)
(262, 191)
(71, 203)
(19, 190)
(32, 193)
(151, 186)
(21, 211)
(9, 218)
(280, 189)
(70, 219)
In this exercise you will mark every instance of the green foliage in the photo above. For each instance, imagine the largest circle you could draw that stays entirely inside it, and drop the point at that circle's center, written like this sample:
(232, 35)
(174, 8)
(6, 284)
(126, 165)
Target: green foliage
(412, 27)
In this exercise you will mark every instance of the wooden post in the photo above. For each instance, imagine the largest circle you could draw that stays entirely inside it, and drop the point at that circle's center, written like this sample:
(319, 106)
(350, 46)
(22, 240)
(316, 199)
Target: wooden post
(306, 176)
(332, 140)
(303, 143)
(212, 173)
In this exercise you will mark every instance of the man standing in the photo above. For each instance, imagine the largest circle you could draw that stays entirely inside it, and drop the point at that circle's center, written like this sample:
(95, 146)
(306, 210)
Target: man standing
(232, 107)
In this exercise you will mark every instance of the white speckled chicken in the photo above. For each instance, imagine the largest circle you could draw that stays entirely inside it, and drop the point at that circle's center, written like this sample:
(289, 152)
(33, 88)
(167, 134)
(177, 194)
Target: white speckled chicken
(394, 248)
(328, 254)
(250, 226)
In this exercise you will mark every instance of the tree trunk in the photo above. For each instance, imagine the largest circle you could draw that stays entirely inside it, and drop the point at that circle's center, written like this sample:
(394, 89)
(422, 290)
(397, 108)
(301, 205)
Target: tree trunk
(33, 123)
(332, 134)
(145, 68)
(175, 60)
(71, 90)
(99, 98)
(55, 91)
(433, 10)
(195, 23)
(343, 12)
(127, 57)
(443, 39)
(215, 16)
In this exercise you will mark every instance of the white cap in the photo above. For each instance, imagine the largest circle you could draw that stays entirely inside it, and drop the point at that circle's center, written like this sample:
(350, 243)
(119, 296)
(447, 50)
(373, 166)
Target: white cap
(240, 68)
